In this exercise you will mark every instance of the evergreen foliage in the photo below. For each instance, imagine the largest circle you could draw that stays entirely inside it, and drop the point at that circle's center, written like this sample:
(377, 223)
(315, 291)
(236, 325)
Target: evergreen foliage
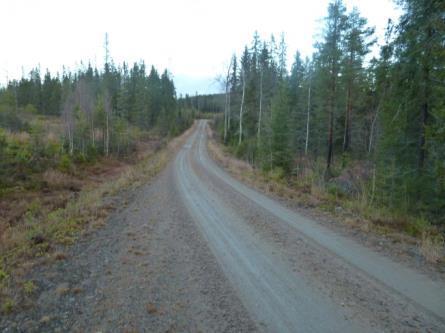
(386, 113)
(100, 113)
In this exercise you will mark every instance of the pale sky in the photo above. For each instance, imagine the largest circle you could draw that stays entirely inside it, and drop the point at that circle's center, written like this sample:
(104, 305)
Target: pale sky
(194, 39)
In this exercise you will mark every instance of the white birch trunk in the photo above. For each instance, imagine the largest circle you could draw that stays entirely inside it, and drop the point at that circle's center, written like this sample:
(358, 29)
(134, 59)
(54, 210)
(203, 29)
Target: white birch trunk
(308, 116)
(261, 106)
(241, 109)
(107, 137)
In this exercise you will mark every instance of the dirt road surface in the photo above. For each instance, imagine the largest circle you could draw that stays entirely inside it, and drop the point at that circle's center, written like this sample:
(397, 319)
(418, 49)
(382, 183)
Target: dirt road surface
(197, 251)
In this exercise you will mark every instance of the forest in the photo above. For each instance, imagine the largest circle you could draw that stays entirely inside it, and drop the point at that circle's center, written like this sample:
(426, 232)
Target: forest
(379, 119)
(78, 117)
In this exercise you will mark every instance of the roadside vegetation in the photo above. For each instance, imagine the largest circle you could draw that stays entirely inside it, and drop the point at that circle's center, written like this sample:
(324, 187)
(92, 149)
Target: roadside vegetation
(354, 212)
(353, 132)
(68, 144)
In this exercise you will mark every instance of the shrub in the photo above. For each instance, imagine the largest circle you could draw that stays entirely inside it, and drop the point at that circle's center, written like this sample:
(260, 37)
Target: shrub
(10, 120)
(8, 305)
(432, 247)
(3, 276)
(31, 109)
(277, 174)
(417, 226)
(65, 164)
(29, 287)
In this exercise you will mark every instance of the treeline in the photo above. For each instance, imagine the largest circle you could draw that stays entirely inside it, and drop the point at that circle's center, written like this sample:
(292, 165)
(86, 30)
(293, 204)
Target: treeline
(210, 103)
(79, 116)
(338, 109)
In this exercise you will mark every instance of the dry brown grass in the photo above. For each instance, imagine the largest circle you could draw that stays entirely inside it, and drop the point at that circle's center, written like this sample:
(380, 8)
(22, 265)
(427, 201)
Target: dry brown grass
(62, 289)
(76, 290)
(432, 247)
(57, 180)
(59, 256)
(45, 319)
(227, 161)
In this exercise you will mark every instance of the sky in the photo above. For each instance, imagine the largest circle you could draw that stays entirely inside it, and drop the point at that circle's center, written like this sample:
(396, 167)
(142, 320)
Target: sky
(193, 39)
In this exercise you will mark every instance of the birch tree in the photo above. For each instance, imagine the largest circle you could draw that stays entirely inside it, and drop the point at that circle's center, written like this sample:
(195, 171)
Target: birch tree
(243, 78)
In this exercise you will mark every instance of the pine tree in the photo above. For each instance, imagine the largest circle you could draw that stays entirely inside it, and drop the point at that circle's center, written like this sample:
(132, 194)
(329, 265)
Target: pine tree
(281, 156)
(357, 45)
(330, 54)
(412, 116)
(298, 102)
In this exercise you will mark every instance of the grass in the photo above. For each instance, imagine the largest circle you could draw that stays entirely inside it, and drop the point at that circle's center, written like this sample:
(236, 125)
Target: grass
(3, 276)
(80, 206)
(29, 287)
(7, 305)
(432, 247)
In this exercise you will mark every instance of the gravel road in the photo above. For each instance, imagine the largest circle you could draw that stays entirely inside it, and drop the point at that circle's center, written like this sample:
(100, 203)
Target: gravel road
(197, 251)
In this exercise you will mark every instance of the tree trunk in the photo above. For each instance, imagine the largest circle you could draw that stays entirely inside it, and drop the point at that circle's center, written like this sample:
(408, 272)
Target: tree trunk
(241, 109)
(107, 137)
(227, 104)
(261, 106)
(422, 141)
(371, 134)
(334, 73)
(71, 139)
(330, 138)
(331, 122)
(92, 131)
(308, 115)
(229, 111)
(226, 116)
(425, 105)
(347, 133)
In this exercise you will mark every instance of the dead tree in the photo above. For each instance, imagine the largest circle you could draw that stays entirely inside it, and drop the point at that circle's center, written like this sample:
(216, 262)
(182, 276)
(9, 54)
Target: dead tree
(227, 102)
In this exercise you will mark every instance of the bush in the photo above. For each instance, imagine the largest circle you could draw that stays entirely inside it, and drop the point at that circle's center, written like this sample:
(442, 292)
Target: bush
(8, 306)
(432, 247)
(30, 109)
(10, 120)
(3, 276)
(277, 174)
(92, 153)
(29, 287)
(333, 190)
(417, 226)
(65, 164)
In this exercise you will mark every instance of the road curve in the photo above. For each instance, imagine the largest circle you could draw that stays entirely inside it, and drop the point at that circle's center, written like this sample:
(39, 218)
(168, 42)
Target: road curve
(283, 299)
